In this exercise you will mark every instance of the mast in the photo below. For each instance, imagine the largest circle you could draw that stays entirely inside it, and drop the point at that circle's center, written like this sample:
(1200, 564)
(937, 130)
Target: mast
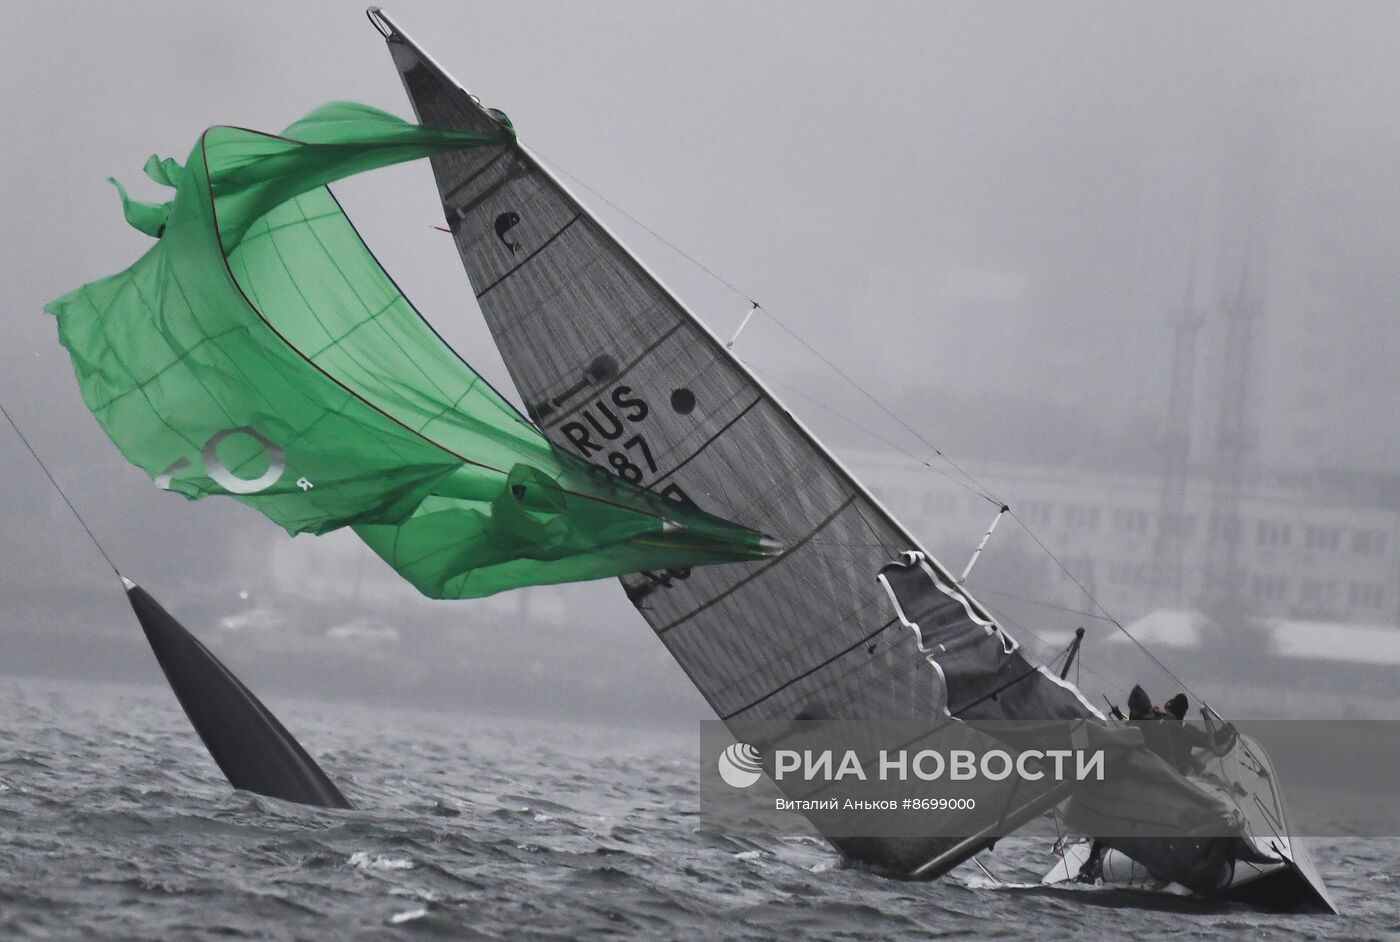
(1176, 457)
(1234, 446)
(1072, 653)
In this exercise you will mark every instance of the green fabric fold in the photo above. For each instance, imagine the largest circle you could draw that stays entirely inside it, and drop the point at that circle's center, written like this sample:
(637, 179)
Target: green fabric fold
(143, 217)
(259, 351)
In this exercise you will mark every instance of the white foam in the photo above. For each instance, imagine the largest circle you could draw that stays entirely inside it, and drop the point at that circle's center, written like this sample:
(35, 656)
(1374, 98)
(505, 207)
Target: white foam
(363, 860)
(427, 896)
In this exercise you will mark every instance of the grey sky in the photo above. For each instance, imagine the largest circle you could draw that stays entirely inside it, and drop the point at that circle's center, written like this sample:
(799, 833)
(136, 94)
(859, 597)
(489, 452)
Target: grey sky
(1023, 188)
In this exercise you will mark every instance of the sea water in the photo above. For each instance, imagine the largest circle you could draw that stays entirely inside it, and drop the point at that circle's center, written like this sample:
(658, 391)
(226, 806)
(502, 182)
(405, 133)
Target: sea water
(115, 824)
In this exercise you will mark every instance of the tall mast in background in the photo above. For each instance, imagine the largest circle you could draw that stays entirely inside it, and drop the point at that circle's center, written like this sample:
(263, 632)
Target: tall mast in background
(1168, 550)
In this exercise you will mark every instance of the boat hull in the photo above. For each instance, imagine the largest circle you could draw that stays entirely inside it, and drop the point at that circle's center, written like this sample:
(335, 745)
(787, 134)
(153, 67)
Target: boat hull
(1264, 866)
(1283, 886)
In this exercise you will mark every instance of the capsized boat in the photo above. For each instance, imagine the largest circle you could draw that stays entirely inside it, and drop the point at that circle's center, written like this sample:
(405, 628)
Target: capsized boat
(615, 370)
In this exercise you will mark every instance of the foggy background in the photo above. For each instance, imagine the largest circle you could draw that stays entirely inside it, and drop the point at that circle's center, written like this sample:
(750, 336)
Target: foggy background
(990, 216)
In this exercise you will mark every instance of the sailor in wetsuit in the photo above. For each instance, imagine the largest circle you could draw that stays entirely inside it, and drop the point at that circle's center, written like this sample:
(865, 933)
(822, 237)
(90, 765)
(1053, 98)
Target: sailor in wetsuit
(1140, 705)
(1166, 732)
(1140, 710)
(1158, 739)
(1152, 720)
(1183, 738)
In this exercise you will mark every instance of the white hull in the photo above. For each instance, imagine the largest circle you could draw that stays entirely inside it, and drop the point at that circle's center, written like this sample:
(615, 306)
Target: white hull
(1256, 883)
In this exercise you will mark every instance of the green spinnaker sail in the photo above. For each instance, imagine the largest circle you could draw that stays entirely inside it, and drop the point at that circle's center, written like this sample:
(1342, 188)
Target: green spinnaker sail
(259, 350)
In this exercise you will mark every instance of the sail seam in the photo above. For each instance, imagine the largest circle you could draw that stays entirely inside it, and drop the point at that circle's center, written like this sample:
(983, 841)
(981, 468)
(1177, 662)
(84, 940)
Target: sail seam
(709, 441)
(526, 260)
(469, 180)
(419, 314)
(993, 694)
(762, 569)
(517, 172)
(810, 671)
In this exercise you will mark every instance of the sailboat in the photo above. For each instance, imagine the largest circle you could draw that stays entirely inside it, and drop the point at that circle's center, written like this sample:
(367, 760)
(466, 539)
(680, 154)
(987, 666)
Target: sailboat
(854, 618)
(782, 587)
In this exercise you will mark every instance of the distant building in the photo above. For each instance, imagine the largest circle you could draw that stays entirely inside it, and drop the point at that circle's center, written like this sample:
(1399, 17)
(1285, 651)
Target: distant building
(1301, 554)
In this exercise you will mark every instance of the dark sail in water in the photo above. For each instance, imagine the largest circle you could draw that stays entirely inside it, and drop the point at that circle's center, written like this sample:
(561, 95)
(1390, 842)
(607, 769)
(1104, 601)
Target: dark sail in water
(615, 370)
(254, 750)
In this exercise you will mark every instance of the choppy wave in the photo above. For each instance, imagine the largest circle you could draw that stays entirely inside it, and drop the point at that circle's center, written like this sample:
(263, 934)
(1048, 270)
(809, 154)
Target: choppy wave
(115, 824)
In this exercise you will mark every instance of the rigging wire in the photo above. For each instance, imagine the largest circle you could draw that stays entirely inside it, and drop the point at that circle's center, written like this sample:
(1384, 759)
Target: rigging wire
(973, 483)
(650, 231)
(875, 435)
(988, 590)
(1022, 629)
(1097, 604)
(52, 480)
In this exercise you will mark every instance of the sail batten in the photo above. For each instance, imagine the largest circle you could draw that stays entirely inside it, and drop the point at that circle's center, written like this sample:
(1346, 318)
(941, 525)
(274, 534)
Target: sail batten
(778, 560)
(812, 670)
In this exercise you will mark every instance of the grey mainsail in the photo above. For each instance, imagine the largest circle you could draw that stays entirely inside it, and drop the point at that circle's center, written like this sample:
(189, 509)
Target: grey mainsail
(614, 369)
